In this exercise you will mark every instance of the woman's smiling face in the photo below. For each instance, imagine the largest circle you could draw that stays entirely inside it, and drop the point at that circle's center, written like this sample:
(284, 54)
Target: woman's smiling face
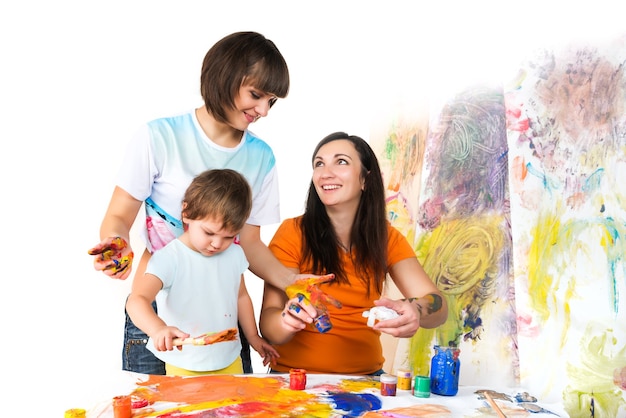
(337, 173)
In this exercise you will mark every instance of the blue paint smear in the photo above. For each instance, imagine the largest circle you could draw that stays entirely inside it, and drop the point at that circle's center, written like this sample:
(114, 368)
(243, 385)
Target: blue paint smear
(355, 404)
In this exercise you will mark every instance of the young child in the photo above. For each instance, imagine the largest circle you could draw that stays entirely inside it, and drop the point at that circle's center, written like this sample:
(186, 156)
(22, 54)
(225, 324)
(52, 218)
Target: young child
(198, 284)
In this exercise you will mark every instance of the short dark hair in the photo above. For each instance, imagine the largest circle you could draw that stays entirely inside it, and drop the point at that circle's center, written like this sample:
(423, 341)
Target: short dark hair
(241, 58)
(220, 193)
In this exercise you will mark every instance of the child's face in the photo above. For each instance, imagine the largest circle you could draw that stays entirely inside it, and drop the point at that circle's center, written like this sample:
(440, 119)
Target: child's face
(208, 237)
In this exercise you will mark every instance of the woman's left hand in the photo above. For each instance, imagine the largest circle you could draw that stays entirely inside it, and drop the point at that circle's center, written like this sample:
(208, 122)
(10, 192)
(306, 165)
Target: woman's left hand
(405, 325)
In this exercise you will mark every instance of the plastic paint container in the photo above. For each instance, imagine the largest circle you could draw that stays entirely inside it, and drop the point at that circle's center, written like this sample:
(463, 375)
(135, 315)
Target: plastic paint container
(388, 384)
(322, 323)
(297, 379)
(404, 379)
(75, 413)
(122, 407)
(421, 388)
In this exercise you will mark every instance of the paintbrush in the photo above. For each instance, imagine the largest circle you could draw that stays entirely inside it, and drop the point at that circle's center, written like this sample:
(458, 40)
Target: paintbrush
(208, 338)
(494, 405)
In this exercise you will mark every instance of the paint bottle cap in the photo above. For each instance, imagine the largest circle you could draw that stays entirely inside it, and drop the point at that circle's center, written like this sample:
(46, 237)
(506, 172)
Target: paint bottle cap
(388, 378)
(76, 413)
(421, 387)
(404, 379)
(388, 385)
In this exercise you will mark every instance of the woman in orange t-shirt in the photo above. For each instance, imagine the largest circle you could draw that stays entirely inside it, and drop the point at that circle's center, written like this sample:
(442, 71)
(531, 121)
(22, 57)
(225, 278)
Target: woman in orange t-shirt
(344, 231)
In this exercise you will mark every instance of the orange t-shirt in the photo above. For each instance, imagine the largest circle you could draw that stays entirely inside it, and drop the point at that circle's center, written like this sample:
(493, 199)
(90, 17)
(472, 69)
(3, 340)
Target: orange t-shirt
(350, 347)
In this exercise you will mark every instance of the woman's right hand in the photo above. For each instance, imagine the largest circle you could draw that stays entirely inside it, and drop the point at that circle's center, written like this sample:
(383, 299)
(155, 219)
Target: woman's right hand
(297, 314)
(114, 257)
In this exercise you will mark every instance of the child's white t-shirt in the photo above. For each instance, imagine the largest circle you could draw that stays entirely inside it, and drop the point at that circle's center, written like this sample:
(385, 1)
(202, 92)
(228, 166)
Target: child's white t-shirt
(199, 295)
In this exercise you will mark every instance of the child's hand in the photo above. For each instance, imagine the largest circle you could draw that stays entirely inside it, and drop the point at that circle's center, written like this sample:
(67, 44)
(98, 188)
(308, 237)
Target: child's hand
(163, 338)
(265, 350)
(113, 257)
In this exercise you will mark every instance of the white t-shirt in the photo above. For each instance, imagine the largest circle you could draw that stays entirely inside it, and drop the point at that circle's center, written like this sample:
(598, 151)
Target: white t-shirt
(199, 295)
(167, 153)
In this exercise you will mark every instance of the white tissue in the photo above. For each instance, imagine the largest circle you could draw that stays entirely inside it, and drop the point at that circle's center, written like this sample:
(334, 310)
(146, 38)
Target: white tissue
(380, 313)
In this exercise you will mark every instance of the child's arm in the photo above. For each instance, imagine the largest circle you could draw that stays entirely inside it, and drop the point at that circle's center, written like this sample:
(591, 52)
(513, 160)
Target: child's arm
(139, 307)
(245, 315)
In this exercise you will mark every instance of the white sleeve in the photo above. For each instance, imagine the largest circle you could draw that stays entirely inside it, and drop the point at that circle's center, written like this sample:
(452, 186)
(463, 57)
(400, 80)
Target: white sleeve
(138, 171)
(266, 204)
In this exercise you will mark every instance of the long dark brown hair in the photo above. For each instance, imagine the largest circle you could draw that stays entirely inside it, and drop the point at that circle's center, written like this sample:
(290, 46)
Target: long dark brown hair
(369, 231)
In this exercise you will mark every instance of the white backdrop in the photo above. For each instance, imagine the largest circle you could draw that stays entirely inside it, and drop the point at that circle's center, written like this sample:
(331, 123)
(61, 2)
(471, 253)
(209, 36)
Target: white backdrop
(79, 77)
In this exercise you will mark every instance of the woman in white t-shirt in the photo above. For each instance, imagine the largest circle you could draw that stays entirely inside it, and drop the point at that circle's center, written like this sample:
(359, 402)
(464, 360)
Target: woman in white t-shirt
(242, 76)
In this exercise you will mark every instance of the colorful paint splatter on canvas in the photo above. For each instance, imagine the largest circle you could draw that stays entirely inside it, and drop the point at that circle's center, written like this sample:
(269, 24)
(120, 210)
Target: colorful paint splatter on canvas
(260, 397)
(514, 197)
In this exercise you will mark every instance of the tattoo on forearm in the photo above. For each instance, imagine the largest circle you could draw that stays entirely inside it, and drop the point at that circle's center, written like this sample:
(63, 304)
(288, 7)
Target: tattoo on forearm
(434, 303)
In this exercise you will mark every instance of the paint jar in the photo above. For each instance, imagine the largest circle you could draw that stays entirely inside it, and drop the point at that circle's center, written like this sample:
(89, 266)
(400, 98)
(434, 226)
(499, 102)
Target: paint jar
(421, 387)
(297, 379)
(122, 407)
(444, 371)
(404, 379)
(76, 413)
(322, 323)
(388, 384)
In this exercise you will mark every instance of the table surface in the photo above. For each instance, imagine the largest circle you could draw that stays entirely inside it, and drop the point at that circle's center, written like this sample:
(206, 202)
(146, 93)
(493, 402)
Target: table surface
(268, 395)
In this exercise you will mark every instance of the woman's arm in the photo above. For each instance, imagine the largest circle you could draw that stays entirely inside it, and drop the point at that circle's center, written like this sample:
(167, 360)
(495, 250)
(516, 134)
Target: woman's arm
(262, 262)
(423, 305)
(278, 322)
(413, 282)
(111, 259)
(120, 215)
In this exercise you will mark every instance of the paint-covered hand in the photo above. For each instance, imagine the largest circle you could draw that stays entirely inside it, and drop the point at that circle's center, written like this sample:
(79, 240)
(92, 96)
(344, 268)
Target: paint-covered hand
(307, 286)
(305, 294)
(405, 325)
(267, 351)
(113, 257)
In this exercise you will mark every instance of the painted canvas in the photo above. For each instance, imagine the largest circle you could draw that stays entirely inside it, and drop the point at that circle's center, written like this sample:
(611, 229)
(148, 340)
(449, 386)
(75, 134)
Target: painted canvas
(460, 228)
(514, 197)
(567, 138)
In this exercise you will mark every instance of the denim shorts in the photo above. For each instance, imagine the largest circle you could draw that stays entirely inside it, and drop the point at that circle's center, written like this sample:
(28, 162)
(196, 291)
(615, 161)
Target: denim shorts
(137, 358)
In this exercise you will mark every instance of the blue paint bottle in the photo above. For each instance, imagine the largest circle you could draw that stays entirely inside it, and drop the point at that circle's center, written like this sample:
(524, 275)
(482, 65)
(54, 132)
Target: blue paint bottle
(444, 371)
(322, 323)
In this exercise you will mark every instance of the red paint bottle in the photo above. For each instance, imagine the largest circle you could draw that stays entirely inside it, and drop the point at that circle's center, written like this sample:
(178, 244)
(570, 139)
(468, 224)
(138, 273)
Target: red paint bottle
(388, 384)
(122, 407)
(297, 379)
